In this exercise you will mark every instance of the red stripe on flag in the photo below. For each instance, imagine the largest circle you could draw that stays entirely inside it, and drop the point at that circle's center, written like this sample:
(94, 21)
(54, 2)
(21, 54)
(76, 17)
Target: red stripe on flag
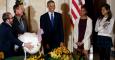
(74, 15)
(76, 6)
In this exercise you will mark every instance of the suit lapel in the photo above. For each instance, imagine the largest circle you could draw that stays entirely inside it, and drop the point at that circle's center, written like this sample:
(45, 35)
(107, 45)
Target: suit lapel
(54, 18)
(49, 21)
(48, 18)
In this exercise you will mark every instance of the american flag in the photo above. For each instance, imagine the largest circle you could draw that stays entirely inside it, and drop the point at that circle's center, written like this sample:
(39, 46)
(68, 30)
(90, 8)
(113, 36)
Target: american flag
(75, 9)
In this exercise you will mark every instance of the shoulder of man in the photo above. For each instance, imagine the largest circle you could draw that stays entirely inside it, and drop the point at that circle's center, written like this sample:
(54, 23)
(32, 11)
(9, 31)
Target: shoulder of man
(4, 27)
(57, 13)
(44, 14)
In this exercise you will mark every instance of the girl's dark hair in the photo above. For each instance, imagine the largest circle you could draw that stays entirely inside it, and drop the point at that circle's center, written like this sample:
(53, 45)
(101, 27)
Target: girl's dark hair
(107, 7)
(85, 7)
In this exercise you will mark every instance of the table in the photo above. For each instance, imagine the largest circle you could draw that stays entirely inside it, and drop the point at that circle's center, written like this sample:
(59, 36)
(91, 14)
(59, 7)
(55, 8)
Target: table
(16, 58)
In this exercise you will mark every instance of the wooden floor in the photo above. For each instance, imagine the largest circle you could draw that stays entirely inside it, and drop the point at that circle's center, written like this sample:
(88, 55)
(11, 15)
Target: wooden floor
(96, 57)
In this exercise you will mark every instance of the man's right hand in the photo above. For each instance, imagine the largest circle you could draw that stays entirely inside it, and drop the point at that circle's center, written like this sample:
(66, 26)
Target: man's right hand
(28, 45)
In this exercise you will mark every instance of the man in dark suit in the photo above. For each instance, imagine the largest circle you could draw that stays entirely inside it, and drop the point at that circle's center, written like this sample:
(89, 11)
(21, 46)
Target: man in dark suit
(19, 25)
(51, 23)
(7, 38)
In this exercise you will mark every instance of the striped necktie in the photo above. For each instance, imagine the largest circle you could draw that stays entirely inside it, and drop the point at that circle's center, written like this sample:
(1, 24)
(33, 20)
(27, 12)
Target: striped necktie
(52, 19)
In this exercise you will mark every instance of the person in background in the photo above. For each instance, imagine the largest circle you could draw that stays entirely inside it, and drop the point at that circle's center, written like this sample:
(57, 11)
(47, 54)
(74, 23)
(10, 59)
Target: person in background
(51, 23)
(67, 24)
(7, 38)
(82, 33)
(104, 27)
(19, 25)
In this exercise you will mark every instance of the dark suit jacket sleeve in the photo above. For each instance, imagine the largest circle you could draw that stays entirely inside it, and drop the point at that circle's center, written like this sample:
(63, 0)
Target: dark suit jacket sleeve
(14, 39)
(42, 26)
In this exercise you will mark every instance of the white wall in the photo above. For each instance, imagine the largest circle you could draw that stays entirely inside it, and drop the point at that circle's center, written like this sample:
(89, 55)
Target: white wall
(2, 8)
(113, 12)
